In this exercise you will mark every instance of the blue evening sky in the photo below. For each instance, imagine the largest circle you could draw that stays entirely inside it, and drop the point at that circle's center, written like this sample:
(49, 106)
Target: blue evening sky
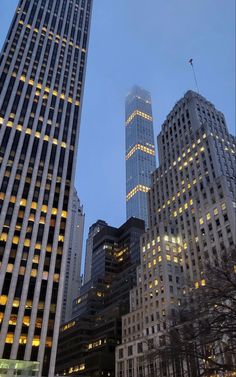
(147, 43)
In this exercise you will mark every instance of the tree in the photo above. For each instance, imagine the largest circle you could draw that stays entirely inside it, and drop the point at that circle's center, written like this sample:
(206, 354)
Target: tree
(201, 341)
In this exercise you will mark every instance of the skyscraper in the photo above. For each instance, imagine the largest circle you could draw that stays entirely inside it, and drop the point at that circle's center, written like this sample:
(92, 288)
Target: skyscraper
(140, 152)
(42, 71)
(74, 257)
(93, 230)
(192, 208)
(87, 342)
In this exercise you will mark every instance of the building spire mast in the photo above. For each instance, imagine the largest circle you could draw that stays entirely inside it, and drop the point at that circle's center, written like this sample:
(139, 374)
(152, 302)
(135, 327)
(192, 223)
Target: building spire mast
(194, 74)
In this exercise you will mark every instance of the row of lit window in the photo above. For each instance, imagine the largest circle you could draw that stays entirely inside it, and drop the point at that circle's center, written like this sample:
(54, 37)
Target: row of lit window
(138, 113)
(189, 150)
(185, 163)
(51, 35)
(175, 250)
(160, 259)
(26, 321)
(38, 246)
(16, 239)
(68, 326)
(120, 253)
(208, 215)
(199, 284)
(77, 368)
(183, 208)
(154, 284)
(28, 305)
(183, 190)
(96, 344)
(36, 134)
(138, 188)
(189, 186)
(34, 205)
(141, 148)
(225, 141)
(47, 89)
(166, 238)
(33, 272)
(23, 340)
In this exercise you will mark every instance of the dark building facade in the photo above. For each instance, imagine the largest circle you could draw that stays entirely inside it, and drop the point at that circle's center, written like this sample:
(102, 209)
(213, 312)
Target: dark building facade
(42, 71)
(93, 230)
(87, 343)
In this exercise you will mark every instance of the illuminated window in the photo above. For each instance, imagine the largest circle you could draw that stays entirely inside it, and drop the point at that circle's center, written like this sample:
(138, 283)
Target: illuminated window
(216, 212)
(34, 205)
(27, 243)
(9, 338)
(16, 303)
(45, 275)
(9, 267)
(3, 237)
(56, 278)
(23, 202)
(44, 209)
(15, 240)
(64, 214)
(208, 216)
(223, 206)
(36, 341)
(3, 300)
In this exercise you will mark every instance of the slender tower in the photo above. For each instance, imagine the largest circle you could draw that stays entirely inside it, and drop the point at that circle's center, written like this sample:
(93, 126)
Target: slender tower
(140, 152)
(74, 257)
(42, 69)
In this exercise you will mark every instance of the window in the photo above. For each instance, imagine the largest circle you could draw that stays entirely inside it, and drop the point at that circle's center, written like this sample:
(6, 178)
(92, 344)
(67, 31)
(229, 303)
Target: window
(121, 353)
(140, 347)
(130, 350)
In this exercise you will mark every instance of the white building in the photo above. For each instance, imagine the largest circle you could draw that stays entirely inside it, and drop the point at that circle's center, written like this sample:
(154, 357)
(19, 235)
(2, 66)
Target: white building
(192, 208)
(74, 257)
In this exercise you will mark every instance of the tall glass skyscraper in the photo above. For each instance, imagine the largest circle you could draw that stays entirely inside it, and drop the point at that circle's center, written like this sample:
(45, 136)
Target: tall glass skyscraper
(140, 152)
(42, 69)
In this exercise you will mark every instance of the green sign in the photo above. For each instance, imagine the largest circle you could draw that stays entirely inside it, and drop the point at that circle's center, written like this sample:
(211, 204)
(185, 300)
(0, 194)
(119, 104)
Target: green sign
(19, 368)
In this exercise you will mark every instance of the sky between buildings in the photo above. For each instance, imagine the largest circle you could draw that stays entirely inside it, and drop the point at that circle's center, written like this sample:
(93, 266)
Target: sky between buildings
(147, 43)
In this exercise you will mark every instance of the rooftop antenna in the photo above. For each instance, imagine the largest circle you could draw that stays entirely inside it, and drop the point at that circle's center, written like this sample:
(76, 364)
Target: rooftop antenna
(194, 74)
